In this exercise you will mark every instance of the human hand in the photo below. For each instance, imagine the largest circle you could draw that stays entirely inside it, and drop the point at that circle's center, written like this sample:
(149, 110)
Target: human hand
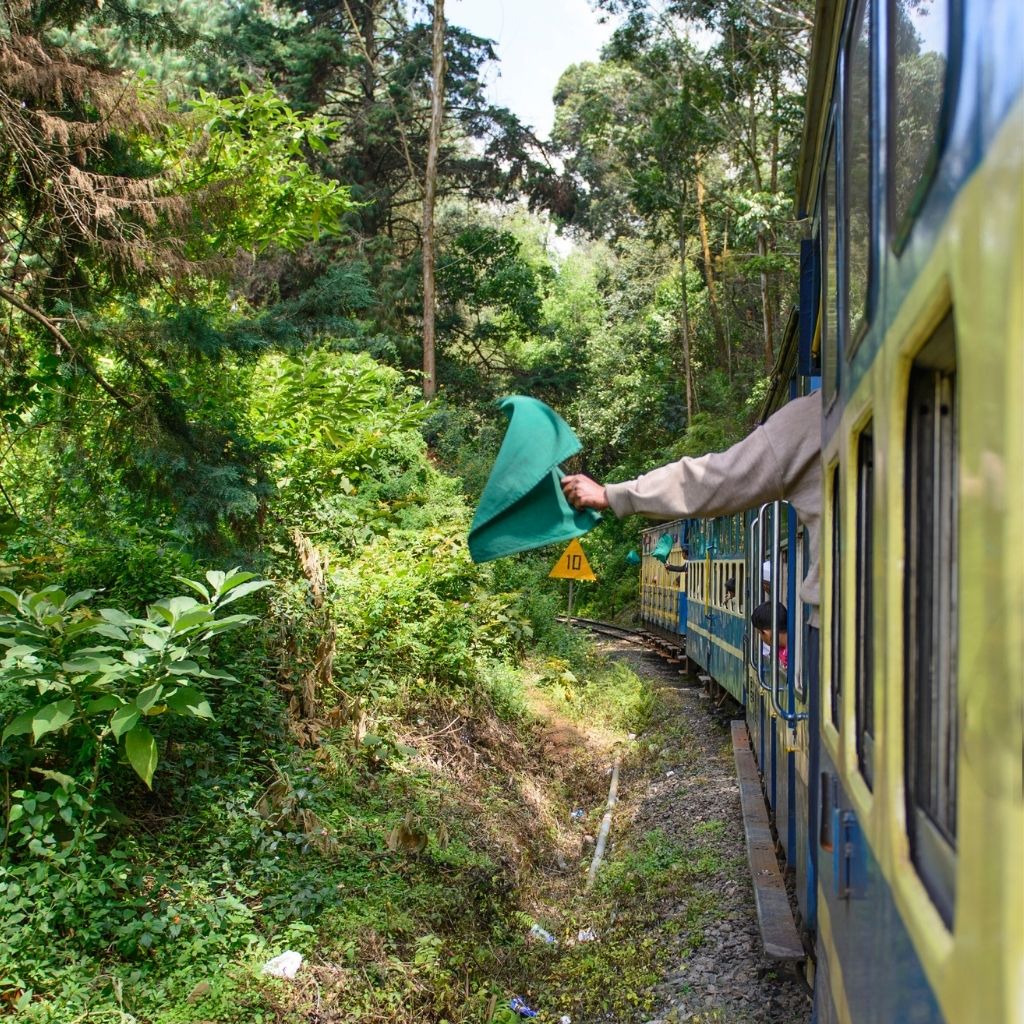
(582, 492)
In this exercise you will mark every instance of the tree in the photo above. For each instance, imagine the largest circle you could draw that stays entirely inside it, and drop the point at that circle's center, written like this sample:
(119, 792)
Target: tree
(429, 193)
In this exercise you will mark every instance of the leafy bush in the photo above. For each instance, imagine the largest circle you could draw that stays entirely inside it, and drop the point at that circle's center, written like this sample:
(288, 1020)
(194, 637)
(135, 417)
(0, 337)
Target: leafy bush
(106, 692)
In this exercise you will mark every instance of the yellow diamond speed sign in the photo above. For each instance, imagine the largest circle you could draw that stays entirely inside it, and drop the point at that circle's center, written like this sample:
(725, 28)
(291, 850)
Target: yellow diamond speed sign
(573, 565)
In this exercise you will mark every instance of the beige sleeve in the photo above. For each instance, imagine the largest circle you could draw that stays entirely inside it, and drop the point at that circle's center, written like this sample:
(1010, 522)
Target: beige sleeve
(757, 469)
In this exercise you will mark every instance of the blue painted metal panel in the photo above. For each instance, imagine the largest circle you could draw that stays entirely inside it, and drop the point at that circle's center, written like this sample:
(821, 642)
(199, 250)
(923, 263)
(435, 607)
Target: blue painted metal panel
(882, 975)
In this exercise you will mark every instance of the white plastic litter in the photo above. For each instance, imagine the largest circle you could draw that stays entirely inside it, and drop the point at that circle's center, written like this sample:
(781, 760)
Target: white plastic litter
(284, 966)
(565, 1020)
(538, 933)
(586, 935)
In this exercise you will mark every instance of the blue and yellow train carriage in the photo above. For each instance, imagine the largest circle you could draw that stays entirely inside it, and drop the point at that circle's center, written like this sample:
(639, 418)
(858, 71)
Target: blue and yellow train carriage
(894, 762)
(912, 178)
(663, 591)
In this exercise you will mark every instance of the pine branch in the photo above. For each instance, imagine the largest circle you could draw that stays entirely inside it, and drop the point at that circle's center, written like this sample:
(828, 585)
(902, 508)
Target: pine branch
(70, 349)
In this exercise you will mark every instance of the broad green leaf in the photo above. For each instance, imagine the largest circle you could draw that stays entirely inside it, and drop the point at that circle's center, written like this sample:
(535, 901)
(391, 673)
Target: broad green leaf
(20, 725)
(109, 630)
(65, 781)
(243, 590)
(216, 579)
(8, 595)
(161, 609)
(90, 663)
(148, 697)
(80, 598)
(226, 677)
(187, 700)
(21, 650)
(196, 617)
(115, 616)
(140, 747)
(123, 719)
(197, 587)
(226, 624)
(51, 718)
(53, 596)
(155, 641)
(83, 625)
(235, 578)
(105, 703)
(186, 667)
(177, 606)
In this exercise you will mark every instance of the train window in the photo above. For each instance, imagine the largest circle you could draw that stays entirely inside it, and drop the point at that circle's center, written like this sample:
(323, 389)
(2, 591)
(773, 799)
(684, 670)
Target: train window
(836, 625)
(741, 588)
(829, 278)
(857, 165)
(864, 678)
(919, 37)
(930, 616)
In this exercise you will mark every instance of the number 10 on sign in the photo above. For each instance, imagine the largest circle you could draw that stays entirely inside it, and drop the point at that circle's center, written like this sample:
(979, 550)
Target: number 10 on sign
(572, 566)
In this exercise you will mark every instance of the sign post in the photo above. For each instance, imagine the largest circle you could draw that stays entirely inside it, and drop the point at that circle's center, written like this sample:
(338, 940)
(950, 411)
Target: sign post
(572, 566)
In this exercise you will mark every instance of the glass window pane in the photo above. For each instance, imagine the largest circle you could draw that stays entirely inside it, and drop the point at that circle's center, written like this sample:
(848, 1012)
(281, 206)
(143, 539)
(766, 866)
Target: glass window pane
(837, 622)
(918, 53)
(865, 626)
(930, 615)
(858, 173)
(829, 277)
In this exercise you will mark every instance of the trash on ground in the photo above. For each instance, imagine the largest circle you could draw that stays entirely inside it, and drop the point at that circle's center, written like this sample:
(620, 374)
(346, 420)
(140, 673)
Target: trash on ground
(668, 775)
(538, 933)
(284, 966)
(578, 815)
(518, 1003)
(586, 935)
(565, 1020)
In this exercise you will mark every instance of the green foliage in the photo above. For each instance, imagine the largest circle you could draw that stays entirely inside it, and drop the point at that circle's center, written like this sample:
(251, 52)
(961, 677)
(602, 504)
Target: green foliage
(110, 691)
(254, 151)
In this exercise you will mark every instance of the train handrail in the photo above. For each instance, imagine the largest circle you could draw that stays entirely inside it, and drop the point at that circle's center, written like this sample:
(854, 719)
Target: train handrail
(789, 717)
(751, 594)
(755, 637)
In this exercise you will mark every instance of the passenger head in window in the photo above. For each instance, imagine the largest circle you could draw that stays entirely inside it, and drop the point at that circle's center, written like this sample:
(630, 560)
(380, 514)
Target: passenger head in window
(730, 590)
(761, 620)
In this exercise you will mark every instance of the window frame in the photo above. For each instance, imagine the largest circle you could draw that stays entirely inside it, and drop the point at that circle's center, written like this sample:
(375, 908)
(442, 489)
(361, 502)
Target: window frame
(849, 334)
(828, 233)
(864, 671)
(931, 621)
(900, 232)
(835, 638)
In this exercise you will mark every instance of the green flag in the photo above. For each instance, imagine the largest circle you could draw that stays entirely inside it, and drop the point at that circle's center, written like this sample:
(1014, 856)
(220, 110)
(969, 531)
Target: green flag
(522, 506)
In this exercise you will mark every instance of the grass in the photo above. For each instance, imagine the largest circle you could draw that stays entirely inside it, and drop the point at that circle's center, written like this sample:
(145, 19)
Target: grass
(429, 924)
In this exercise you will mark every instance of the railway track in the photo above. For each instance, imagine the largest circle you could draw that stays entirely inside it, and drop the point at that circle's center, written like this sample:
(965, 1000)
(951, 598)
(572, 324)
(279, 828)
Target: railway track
(672, 652)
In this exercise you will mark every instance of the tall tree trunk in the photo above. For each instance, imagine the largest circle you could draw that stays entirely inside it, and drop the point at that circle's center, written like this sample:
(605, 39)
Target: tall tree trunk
(709, 276)
(429, 193)
(684, 321)
(766, 303)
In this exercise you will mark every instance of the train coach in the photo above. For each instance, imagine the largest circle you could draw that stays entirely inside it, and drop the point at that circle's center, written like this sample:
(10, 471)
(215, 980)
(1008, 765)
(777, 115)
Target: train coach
(890, 745)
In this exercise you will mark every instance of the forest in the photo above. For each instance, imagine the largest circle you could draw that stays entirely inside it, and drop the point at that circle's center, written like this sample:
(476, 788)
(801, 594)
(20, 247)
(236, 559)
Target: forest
(265, 270)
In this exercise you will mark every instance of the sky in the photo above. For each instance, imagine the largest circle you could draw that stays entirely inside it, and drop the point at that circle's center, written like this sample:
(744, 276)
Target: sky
(536, 40)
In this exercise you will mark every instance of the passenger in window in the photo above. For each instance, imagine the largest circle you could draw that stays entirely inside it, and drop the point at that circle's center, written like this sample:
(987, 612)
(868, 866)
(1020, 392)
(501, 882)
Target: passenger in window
(761, 620)
(730, 592)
